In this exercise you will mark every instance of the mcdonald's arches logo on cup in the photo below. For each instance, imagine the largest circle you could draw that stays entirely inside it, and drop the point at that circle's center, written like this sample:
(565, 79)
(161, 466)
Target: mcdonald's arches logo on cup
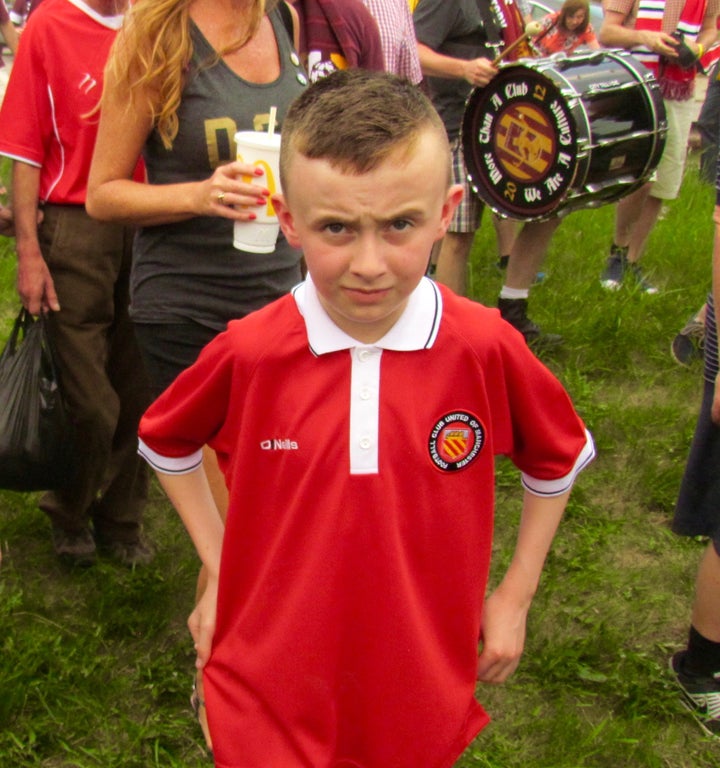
(263, 151)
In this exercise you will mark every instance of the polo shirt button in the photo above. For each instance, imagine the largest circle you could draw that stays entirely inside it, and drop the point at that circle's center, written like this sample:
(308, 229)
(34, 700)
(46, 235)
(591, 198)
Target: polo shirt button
(365, 443)
(365, 394)
(364, 355)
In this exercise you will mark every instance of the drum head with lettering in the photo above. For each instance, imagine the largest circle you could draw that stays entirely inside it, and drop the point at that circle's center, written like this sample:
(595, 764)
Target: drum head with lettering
(520, 140)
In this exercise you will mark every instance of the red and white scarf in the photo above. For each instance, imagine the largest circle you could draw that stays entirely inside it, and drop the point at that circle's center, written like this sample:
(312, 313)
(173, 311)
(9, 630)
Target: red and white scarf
(675, 82)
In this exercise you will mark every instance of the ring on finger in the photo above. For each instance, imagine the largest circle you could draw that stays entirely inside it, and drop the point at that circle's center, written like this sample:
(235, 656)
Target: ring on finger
(221, 197)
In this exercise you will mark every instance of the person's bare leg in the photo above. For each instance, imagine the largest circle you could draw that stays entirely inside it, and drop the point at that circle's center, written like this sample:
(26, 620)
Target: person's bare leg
(452, 260)
(506, 231)
(627, 212)
(706, 605)
(643, 227)
(527, 256)
(529, 252)
(432, 262)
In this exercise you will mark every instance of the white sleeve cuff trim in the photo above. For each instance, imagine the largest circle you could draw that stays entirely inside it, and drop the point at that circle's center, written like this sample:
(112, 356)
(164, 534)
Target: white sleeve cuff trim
(562, 484)
(167, 465)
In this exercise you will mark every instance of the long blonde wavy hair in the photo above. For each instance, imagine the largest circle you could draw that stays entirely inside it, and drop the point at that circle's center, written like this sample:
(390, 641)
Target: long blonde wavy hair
(152, 53)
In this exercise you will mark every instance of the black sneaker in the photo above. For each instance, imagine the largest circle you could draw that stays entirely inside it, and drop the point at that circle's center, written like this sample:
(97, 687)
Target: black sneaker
(514, 311)
(640, 282)
(689, 344)
(701, 695)
(614, 272)
(74, 547)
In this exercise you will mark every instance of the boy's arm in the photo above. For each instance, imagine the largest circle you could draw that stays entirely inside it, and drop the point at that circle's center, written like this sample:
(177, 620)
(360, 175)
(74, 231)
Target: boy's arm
(505, 612)
(191, 496)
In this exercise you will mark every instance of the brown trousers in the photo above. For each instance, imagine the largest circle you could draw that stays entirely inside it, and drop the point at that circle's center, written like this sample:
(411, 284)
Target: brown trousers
(101, 373)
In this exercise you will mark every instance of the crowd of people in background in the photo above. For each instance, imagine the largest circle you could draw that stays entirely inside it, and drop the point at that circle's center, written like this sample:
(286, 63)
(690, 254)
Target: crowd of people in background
(119, 119)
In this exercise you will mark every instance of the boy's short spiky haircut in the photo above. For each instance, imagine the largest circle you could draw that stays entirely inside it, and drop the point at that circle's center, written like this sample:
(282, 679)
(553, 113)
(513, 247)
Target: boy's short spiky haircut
(354, 119)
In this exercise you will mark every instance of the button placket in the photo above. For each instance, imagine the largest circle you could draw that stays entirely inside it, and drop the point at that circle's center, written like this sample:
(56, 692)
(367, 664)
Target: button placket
(364, 410)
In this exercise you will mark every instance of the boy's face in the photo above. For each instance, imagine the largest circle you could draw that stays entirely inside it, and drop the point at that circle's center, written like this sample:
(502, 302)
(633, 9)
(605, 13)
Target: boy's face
(367, 237)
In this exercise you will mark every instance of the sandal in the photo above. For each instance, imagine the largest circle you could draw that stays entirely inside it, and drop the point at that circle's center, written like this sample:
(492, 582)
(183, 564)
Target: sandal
(197, 702)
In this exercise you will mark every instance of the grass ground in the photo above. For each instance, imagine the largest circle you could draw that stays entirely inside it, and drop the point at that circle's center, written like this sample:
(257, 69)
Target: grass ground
(95, 665)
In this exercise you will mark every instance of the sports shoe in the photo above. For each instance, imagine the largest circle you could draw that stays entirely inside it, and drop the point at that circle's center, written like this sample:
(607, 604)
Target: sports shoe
(701, 695)
(689, 344)
(74, 547)
(641, 283)
(612, 276)
(618, 268)
(514, 311)
(130, 553)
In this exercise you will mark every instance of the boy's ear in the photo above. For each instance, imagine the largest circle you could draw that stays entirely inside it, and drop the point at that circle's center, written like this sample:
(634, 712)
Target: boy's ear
(452, 200)
(285, 219)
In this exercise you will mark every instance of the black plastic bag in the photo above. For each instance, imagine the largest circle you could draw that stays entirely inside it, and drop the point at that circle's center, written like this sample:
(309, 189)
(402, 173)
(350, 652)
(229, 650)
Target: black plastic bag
(36, 433)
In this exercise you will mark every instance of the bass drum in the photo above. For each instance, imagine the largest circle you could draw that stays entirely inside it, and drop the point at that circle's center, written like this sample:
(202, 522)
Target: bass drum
(554, 135)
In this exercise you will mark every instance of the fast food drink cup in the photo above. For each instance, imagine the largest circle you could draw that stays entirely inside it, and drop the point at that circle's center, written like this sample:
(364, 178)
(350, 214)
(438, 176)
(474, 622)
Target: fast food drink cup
(261, 150)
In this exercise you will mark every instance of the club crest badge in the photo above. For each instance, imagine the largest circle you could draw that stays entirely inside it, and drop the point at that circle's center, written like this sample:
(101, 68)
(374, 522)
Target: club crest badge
(455, 441)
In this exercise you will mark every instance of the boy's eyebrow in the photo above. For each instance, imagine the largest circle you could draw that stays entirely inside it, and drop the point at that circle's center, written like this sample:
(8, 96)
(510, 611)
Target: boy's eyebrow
(322, 219)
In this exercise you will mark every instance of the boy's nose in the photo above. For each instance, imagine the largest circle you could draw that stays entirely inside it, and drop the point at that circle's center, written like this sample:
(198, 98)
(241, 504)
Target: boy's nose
(369, 259)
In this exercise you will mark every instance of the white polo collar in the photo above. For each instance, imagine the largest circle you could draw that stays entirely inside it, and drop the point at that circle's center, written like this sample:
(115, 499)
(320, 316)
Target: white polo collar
(417, 327)
(111, 22)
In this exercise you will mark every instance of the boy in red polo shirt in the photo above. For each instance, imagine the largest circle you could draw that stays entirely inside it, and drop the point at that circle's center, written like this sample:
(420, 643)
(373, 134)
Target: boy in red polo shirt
(357, 421)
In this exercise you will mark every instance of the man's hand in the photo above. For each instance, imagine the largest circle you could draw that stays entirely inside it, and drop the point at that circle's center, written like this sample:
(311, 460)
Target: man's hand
(660, 43)
(479, 72)
(35, 285)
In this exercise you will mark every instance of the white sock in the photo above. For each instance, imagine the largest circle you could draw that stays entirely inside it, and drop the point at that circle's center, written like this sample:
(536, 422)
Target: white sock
(514, 293)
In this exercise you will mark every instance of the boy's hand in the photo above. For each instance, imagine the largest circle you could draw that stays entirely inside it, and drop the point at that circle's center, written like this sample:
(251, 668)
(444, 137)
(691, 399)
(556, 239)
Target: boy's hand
(502, 636)
(202, 622)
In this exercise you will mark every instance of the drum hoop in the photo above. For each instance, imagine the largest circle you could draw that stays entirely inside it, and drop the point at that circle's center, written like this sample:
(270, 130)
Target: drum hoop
(552, 70)
(496, 171)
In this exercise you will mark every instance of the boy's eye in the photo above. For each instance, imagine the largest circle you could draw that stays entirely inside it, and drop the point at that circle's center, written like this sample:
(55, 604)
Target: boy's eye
(335, 228)
(400, 225)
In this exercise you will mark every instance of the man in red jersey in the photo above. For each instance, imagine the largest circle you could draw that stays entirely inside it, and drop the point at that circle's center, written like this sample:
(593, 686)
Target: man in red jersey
(77, 269)
(356, 421)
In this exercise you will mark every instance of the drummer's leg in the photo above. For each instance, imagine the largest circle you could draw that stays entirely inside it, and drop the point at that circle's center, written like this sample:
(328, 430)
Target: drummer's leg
(454, 253)
(526, 258)
(627, 213)
(646, 220)
(528, 253)
(506, 230)
(451, 268)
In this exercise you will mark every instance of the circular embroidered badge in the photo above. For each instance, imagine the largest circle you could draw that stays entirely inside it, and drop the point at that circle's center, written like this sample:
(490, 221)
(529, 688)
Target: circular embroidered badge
(455, 440)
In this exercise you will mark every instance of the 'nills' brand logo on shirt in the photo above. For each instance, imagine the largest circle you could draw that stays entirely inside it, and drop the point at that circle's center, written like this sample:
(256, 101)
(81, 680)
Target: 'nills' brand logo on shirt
(278, 445)
(455, 441)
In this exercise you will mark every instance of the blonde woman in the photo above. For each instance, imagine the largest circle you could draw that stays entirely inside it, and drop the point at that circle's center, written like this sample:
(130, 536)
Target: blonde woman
(183, 77)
